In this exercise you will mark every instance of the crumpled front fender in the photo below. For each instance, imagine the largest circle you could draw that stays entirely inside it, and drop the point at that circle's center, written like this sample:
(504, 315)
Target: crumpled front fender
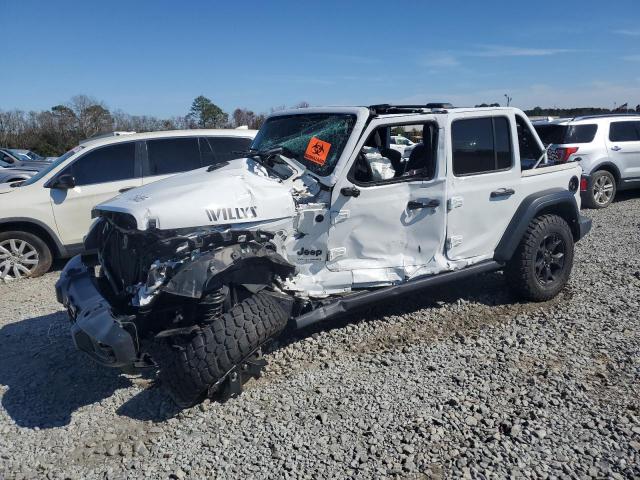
(249, 264)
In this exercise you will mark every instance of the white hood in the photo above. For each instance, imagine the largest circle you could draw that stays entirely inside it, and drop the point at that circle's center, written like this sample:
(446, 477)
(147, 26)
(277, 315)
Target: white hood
(237, 193)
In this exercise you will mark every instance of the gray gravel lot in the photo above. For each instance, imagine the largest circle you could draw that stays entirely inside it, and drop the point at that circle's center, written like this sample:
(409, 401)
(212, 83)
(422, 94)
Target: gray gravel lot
(455, 381)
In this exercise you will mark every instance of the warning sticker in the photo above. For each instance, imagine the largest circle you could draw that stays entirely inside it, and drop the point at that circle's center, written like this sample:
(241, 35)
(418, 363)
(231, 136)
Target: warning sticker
(317, 151)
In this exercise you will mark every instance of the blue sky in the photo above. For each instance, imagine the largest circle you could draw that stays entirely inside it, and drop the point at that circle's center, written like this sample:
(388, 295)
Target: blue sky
(147, 57)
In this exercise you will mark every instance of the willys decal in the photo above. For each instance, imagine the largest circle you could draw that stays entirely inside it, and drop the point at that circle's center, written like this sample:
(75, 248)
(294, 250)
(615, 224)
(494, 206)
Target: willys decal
(231, 213)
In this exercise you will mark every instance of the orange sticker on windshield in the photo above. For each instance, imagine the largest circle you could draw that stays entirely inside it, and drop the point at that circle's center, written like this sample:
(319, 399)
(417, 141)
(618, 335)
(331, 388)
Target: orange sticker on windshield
(317, 151)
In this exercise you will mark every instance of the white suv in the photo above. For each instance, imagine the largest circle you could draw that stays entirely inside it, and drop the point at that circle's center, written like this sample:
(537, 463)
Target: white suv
(48, 215)
(607, 148)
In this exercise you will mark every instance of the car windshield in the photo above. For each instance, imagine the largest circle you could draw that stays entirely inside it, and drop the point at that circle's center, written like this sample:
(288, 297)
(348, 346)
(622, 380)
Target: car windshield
(52, 165)
(561, 134)
(316, 140)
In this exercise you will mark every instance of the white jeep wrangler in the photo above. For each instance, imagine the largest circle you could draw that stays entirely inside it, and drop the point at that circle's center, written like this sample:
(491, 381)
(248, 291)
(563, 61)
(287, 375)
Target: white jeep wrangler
(319, 218)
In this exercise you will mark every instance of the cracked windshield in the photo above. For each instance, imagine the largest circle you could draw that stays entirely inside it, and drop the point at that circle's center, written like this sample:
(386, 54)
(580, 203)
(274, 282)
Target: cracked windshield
(315, 140)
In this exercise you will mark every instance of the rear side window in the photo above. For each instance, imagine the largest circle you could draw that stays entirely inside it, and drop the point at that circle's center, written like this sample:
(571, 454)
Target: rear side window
(481, 145)
(624, 132)
(106, 164)
(580, 133)
(172, 155)
(560, 134)
(226, 148)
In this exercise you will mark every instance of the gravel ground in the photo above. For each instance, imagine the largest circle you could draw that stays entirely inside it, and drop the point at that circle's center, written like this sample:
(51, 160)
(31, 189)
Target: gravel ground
(457, 381)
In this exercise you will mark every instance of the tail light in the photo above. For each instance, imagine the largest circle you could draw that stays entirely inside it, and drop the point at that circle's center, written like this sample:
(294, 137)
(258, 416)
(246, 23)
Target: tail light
(583, 184)
(563, 153)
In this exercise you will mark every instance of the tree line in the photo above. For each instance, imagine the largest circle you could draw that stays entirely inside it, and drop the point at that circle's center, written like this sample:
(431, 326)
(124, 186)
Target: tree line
(54, 131)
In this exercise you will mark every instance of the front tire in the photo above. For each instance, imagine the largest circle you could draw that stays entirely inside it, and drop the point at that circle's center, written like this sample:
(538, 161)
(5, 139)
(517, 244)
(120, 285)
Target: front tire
(541, 265)
(603, 190)
(198, 364)
(23, 255)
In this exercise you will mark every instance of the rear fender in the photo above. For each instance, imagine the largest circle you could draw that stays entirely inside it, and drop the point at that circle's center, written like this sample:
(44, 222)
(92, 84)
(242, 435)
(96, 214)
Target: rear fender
(554, 201)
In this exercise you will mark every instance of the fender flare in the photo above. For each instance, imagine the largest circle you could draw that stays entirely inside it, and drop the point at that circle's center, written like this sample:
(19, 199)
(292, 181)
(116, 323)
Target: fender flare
(558, 201)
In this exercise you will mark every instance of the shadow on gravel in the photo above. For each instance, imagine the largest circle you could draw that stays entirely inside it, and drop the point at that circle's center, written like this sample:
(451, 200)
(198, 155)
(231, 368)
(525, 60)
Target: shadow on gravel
(488, 289)
(48, 378)
(626, 195)
(152, 404)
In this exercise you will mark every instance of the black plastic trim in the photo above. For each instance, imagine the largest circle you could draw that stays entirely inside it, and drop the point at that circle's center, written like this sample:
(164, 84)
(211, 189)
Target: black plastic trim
(562, 200)
(354, 301)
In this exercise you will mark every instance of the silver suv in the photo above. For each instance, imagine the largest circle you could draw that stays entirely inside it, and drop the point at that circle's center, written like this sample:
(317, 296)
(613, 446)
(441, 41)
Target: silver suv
(606, 146)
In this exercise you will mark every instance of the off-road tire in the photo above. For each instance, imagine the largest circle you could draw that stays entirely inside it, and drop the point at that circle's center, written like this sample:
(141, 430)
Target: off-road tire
(610, 181)
(521, 273)
(45, 257)
(197, 363)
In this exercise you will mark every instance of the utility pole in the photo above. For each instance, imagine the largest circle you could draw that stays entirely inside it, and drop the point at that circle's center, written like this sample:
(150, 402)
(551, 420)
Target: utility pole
(508, 99)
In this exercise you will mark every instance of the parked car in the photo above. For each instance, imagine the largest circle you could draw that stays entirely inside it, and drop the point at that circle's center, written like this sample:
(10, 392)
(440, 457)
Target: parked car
(8, 158)
(48, 214)
(217, 261)
(400, 143)
(26, 155)
(607, 148)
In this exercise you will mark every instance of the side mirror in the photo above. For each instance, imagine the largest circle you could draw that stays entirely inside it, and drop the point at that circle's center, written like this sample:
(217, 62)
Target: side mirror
(64, 182)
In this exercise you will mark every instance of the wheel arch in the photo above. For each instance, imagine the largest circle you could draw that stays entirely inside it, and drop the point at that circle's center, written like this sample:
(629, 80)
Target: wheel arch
(37, 228)
(610, 167)
(554, 201)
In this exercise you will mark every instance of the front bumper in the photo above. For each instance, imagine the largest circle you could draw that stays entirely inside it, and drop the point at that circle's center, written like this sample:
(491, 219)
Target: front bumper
(94, 327)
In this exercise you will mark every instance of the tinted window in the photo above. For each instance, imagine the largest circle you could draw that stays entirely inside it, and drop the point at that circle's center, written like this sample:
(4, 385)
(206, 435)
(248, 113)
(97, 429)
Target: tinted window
(172, 155)
(224, 147)
(624, 131)
(206, 152)
(580, 133)
(105, 164)
(481, 145)
(502, 143)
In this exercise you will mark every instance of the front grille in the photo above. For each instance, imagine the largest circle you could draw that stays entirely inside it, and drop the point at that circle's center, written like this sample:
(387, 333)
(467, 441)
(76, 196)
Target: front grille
(120, 257)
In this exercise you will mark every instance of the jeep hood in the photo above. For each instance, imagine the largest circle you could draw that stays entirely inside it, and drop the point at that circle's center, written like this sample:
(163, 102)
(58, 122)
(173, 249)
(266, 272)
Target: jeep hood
(239, 192)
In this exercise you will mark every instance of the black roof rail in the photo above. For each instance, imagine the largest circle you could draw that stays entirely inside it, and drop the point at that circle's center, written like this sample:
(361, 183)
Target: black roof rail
(388, 108)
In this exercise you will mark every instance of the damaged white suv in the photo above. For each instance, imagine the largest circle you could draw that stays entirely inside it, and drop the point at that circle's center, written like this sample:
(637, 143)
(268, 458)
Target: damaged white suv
(309, 225)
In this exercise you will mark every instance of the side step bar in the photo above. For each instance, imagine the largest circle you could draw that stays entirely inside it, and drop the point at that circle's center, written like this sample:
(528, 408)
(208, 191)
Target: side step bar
(354, 301)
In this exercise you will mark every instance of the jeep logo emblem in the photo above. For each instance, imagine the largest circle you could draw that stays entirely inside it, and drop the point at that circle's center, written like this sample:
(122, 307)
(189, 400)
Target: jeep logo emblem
(231, 213)
(303, 252)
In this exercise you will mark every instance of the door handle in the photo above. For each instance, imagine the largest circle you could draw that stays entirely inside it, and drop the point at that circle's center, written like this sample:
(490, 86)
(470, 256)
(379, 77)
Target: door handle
(350, 192)
(616, 148)
(413, 205)
(502, 192)
(125, 189)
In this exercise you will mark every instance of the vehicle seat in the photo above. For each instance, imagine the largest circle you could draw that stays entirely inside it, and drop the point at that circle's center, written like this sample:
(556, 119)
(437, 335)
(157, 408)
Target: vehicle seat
(396, 160)
(422, 156)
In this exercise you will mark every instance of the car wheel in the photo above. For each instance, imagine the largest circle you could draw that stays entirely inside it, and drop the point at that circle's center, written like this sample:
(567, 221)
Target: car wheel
(23, 255)
(603, 190)
(542, 263)
(227, 348)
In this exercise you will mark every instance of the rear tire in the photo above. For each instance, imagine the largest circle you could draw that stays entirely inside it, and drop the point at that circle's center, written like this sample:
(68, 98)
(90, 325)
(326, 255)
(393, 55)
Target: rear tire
(23, 255)
(603, 190)
(541, 265)
(197, 364)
